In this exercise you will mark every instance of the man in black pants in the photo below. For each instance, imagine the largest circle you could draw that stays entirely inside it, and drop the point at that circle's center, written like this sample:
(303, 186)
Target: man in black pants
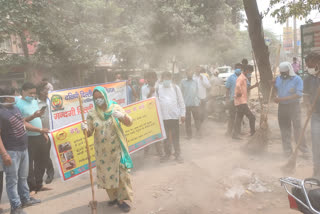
(241, 103)
(37, 143)
(42, 92)
(289, 90)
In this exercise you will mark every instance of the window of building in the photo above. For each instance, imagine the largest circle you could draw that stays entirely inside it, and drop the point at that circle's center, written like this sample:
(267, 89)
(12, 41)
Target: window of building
(5, 45)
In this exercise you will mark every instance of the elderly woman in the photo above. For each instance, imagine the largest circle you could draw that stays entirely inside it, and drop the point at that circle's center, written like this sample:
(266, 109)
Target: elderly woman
(289, 90)
(112, 157)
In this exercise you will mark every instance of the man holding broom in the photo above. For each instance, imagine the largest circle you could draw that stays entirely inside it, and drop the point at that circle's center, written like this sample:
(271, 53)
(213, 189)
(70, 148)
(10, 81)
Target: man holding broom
(312, 84)
(241, 103)
(289, 88)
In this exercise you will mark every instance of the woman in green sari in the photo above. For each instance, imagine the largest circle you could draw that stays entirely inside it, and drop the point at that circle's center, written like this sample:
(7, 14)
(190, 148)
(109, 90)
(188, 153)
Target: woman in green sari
(112, 157)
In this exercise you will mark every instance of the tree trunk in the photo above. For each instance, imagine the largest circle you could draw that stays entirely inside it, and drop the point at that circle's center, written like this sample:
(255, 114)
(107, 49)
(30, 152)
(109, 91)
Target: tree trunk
(259, 47)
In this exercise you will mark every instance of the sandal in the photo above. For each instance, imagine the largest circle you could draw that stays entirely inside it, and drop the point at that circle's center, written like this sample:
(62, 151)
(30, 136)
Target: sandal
(111, 203)
(124, 207)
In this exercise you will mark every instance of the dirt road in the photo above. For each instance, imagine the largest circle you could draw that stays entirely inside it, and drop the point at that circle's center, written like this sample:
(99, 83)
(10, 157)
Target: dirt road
(198, 186)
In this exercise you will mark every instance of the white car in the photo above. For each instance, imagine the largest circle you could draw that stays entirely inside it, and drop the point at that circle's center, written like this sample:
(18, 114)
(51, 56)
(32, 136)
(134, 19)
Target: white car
(225, 72)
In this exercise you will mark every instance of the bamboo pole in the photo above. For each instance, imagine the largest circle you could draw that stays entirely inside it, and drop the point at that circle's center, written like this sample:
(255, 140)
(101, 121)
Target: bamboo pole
(93, 203)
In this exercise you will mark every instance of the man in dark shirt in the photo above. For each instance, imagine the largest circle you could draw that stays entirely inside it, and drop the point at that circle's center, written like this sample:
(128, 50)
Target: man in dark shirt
(42, 93)
(311, 87)
(14, 152)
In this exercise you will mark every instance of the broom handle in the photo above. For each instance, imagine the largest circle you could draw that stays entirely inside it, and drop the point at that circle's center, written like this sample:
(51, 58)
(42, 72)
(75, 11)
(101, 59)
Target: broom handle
(273, 75)
(88, 149)
(256, 74)
(307, 121)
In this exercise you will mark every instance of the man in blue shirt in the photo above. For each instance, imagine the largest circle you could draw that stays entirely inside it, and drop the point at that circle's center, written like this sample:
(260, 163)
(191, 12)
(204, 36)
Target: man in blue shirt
(14, 152)
(189, 89)
(231, 85)
(289, 88)
(312, 85)
(37, 142)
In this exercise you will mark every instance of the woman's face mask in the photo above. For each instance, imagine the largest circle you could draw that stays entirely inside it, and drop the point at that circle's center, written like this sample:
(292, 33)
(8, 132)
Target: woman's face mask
(166, 83)
(99, 102)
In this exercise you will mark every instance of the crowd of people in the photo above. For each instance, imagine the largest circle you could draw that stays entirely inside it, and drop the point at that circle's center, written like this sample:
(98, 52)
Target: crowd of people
(24, 124)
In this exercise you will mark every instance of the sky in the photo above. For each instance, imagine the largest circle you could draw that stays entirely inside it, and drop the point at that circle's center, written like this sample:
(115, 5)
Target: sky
(269, 22)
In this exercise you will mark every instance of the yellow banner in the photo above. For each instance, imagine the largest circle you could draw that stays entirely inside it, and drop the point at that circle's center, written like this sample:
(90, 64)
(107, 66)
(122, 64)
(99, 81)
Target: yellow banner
(147, 125)
(70, 146)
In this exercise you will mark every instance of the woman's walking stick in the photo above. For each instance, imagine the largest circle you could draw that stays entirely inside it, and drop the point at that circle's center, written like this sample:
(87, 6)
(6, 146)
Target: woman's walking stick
(93, 203)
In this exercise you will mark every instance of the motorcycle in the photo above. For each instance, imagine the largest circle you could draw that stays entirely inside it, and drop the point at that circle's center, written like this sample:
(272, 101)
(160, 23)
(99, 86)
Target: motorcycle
(303, 195)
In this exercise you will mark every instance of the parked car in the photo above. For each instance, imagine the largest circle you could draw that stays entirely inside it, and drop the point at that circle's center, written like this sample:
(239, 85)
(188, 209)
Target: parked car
(225, 72)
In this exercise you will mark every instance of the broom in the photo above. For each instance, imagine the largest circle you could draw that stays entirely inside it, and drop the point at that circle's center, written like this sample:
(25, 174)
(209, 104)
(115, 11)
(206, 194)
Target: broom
(259, 141)
(93, 203)
(291, 164)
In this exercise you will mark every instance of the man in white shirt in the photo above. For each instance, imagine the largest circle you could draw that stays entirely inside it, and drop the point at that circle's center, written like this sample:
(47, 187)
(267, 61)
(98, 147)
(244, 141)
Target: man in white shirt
(172, 108)
(203, 85)
(147, 91)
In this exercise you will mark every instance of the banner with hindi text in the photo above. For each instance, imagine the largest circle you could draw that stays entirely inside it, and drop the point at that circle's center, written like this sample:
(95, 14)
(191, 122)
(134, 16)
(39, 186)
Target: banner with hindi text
(70, 148)
(64, 104)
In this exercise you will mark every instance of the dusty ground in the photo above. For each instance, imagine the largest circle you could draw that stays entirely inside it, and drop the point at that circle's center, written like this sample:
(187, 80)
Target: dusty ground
(197, 186)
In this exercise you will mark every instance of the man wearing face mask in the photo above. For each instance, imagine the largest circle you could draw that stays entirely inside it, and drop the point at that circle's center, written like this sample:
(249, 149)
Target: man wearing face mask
(231, 85)
(289, 89)
(311, 86)
(37, 142)
(42, 92)
(241, 102)
(14, 152)
(203, 84)
(172, 108)
(189, 90)
(148, 91)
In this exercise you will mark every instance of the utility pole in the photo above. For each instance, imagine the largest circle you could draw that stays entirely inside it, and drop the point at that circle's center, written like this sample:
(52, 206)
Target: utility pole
(295, 49)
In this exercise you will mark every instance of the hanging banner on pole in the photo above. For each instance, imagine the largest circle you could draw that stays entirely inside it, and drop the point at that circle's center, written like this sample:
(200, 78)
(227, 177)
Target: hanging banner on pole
(70, 147)
(64, 104)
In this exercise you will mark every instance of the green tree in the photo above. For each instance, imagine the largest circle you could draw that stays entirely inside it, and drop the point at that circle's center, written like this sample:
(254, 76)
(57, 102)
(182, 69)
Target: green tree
(193, 31)
(69, 35)
(17, 18)
(282, 10)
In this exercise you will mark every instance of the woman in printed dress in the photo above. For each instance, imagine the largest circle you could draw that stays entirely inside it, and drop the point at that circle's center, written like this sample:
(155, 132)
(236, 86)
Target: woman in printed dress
(112, 157)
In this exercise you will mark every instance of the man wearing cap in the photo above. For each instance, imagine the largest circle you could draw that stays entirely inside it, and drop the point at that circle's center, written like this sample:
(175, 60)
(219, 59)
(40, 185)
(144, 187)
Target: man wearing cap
(311, 87)
(289, 90)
